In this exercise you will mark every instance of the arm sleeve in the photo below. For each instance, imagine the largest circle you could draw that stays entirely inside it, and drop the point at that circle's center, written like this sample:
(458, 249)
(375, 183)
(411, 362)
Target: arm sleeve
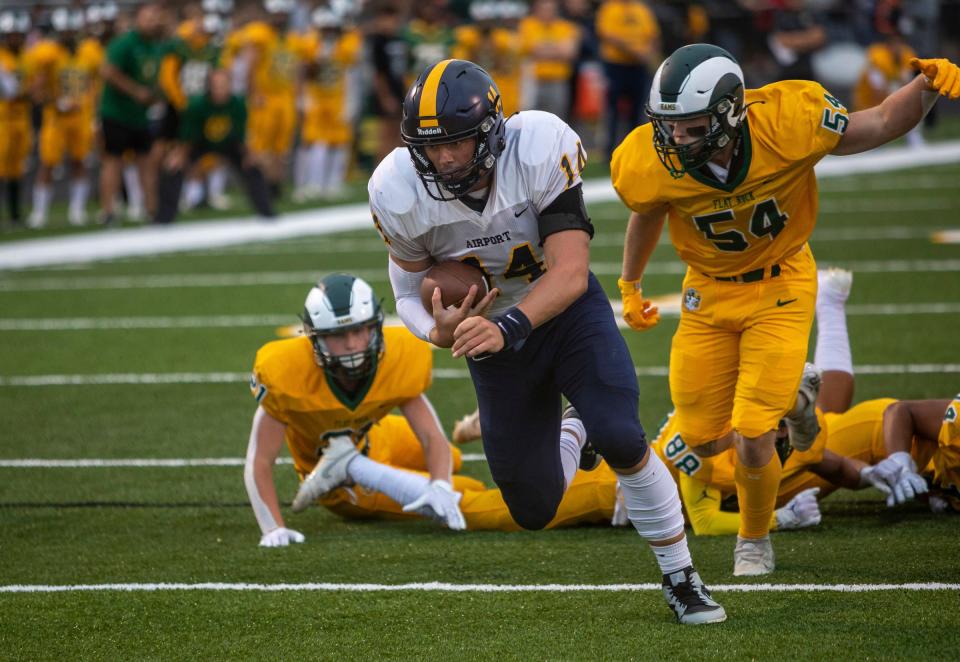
(406, 290)
(566, 212)
(191, 124)
(703, 508)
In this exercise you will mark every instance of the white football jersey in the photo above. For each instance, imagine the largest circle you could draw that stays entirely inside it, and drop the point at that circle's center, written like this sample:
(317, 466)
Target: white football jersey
(542, 158)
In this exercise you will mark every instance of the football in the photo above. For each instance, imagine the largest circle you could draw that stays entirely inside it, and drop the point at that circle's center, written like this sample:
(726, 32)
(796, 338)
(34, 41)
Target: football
(454, 279)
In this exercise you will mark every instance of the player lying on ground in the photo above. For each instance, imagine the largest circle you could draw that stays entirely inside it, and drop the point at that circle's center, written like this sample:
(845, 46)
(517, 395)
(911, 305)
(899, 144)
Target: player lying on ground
(847, 444)
(323, 393)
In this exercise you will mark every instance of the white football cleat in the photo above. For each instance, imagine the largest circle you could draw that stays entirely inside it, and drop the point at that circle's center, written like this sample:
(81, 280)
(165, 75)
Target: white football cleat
(329, 474)
(752, 557)
(803, 425)
(835, 283)
(467, 428)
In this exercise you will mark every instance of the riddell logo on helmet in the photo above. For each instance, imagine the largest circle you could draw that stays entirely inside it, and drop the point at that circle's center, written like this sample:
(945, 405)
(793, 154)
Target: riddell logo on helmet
(432, 131)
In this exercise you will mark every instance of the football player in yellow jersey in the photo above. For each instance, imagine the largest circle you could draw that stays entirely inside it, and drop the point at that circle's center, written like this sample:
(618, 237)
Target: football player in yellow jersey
(16, 134)
(326, 393)
(273, 58)
(492, 41)
(64, 71)
(331, 100)
(733, 171)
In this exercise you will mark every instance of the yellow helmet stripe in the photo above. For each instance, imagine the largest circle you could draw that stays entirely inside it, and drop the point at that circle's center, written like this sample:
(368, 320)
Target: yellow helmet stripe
(428, 96)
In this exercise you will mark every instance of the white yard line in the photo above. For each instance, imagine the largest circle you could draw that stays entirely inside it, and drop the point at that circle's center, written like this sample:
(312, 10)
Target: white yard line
(668, 308)
(153, 378)
(445, 587)
(303, 278)
(171, 463)
(151, 240)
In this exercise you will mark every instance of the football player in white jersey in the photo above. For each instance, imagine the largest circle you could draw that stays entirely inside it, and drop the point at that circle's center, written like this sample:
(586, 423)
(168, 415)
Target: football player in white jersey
(505, 196)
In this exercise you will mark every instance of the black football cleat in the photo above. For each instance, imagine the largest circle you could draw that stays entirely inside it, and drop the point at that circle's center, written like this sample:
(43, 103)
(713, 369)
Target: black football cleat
(589, 457)
(690, 599)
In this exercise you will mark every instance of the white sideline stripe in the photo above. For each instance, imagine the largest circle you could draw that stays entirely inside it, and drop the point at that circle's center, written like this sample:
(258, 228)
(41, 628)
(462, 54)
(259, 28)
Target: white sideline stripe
(151, 240)
(152, 378)
(303, 278)
(468, 588)
(99, 463)
(667, 309)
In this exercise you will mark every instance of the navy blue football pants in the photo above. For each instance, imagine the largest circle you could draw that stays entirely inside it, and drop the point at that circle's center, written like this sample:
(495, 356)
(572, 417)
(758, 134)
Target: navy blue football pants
(580, 354)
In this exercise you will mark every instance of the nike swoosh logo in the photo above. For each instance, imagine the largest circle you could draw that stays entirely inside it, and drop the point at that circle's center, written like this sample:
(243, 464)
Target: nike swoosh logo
(784, 303)
(516, 214)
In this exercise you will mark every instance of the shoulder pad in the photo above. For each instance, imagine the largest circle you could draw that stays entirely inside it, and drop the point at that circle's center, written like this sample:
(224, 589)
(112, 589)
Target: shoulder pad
(393, 191)
(539, 136)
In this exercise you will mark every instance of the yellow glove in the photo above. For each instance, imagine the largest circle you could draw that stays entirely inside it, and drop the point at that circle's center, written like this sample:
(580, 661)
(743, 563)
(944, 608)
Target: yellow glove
(638, 312)
(942, 74)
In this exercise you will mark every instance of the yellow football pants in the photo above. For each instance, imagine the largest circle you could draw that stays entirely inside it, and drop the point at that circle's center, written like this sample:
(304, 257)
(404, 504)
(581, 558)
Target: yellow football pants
(589, 499)
(69, 133)
(270, 127)
(737, 359)
(16, 140)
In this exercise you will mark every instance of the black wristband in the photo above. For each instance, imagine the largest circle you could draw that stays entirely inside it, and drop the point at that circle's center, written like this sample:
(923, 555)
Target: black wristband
(514, 326)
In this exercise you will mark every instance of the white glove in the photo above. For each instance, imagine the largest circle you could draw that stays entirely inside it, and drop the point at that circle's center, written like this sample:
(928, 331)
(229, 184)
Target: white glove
(801, 511)
(899, 473)
(870, 476)
(440, 502)
(281, 537)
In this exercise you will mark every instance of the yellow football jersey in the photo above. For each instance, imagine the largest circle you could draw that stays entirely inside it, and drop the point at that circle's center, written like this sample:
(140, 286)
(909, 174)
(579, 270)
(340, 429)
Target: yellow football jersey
(19, 108)
(718, 471)
(69, 76)
(893, 66)
(278, 58)
(291, 387)
(499, 53)
(625, 21)
(534, 32)
(946, 459)
(768, 208)
(333, 58)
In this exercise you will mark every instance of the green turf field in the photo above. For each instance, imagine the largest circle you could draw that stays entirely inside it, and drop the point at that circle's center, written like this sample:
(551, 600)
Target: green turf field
(205, 314)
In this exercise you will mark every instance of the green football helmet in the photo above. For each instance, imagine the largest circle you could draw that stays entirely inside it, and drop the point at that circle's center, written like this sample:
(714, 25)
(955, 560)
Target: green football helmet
(699, 80)
(338, 303)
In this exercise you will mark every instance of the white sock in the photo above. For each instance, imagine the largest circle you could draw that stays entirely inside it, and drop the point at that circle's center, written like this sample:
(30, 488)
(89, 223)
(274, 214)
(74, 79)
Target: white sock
(833, 341)
(401, 486)
(673, 557)
(131, 181)
(192, 193)
(217, 182)
(41, 200)
(336, 170)
(79, 191)
(318, 167)
(572, 438)
(653, 506)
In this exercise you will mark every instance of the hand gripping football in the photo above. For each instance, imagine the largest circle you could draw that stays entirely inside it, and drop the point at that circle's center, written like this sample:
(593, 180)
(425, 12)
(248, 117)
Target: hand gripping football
(454, 279)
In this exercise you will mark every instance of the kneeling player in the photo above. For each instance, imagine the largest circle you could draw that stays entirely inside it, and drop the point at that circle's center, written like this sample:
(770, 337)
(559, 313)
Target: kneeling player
(213, 123)
(328, 393)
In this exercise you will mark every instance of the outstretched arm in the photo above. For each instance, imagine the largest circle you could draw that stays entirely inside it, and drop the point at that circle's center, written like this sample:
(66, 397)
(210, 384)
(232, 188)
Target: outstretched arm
(266, 440)
(643, 233)
(902, 110)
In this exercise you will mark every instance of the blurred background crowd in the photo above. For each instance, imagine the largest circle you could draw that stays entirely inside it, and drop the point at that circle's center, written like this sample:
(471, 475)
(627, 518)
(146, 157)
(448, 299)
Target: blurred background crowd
(138, 111)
